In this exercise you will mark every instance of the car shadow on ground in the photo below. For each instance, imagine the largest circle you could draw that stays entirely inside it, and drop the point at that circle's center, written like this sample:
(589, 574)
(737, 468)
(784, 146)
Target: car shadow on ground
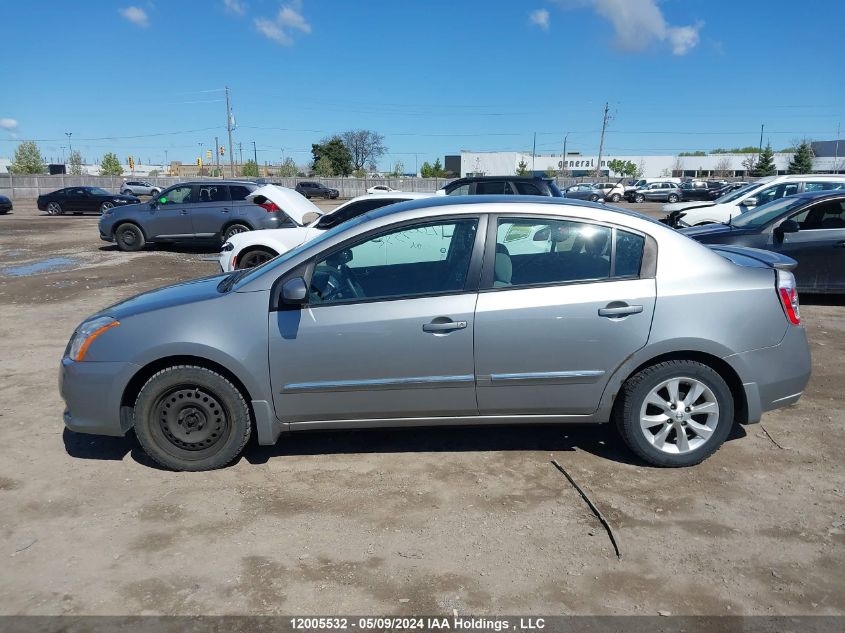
(821, 300)
(197, 249)
(598, 440)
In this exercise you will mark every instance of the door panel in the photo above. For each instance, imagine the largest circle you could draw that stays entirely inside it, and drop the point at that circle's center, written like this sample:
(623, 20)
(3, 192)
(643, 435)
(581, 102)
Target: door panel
(373, 360)
(548, 351)
(211, 209)
(171, 219)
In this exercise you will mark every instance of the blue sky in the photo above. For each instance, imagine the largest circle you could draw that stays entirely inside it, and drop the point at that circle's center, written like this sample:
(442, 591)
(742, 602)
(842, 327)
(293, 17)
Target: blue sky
(434, 77)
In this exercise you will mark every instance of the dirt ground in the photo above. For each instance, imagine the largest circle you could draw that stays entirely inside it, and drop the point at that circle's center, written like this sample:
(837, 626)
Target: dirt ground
(392, 521)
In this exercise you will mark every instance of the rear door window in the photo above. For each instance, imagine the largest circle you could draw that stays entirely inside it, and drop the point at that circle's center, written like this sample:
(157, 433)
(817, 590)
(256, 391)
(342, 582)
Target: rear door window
(492, 187)
(528, 189)
(238, 192)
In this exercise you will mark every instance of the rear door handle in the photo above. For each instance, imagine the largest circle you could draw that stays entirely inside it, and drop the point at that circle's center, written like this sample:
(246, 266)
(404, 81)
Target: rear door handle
(449, 326)
(225, 209)
(620, 311)
(184, 212)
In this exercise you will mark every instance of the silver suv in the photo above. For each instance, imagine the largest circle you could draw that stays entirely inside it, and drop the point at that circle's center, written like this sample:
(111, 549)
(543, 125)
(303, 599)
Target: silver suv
(139, 188)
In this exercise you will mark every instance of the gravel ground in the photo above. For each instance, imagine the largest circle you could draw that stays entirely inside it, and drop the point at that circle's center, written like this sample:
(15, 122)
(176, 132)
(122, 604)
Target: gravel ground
(392, 521)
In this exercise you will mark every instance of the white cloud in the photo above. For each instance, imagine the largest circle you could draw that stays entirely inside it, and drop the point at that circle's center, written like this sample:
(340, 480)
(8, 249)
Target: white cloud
(136, 15)
(235, 6)
(540, 17)
(639, 23)
(279, 28)
(9, 124)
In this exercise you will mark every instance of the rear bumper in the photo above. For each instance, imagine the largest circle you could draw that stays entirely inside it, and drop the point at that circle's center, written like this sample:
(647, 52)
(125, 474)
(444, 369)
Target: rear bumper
(774, 377)
(92, 392)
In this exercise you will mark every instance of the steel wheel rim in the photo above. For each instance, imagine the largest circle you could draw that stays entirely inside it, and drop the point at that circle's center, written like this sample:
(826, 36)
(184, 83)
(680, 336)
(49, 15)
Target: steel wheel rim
(53, 208)
(128, 236)
(679, 415)
(255, 258)
(190, 421)
(234, 231)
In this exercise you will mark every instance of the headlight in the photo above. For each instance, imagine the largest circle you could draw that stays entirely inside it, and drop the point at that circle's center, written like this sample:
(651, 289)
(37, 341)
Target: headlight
(85, 335)
(228, 246)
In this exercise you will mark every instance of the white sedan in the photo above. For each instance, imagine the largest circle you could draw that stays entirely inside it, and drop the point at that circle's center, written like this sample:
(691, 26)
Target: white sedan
(253, 248)
(380, 189)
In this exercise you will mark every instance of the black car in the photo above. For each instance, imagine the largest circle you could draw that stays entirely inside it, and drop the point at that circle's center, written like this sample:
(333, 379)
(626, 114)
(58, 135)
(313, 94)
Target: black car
(311, 189)
(5, 205)
(809, 227)
(78, 200)
(704, 190)
(503, 185)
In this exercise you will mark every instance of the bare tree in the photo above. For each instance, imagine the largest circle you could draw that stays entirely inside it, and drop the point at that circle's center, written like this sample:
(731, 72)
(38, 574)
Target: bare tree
(723, 168)
(365, 146)
(750, 165)
(678, 166)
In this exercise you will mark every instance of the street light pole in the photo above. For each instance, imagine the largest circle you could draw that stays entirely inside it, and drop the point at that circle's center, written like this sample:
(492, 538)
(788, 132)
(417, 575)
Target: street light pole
(70, 147)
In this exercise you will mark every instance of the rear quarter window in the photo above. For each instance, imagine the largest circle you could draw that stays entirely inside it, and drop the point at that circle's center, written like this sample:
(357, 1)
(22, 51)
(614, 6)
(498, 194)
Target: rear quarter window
(629, 254)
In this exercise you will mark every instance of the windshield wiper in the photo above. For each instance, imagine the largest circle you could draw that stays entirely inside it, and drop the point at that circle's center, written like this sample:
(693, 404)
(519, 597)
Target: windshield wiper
(231, 280)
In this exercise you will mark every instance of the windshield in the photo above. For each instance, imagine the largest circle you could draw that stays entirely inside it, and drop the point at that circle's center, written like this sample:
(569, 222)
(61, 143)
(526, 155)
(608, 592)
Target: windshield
(96, 191)
(739, 193)
(765, 213)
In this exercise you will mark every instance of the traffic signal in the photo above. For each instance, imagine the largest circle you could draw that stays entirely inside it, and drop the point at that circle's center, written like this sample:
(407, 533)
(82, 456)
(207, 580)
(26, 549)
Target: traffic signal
(208, 154)
(131, 163)
(222, 150)
(199, 161)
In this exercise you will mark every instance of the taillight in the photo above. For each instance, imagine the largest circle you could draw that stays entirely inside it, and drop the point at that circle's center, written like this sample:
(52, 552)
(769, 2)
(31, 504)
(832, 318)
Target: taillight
(788, 293)
(270, 207)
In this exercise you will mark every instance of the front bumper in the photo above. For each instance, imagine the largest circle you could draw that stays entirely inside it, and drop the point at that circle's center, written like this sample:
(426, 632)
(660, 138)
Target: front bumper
(774, 377)
(92, 392)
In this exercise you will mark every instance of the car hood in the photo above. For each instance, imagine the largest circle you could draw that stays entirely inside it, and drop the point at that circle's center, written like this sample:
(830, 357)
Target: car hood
(170, 296)
(120, 196)
(280, 240)
(293, 203)
(712, 230)
(680, 206)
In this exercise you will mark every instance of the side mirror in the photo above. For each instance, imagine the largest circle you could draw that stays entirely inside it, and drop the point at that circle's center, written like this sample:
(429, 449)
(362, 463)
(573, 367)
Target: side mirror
(787, 226)
(543, 235)
(294, 291)
(750, 202)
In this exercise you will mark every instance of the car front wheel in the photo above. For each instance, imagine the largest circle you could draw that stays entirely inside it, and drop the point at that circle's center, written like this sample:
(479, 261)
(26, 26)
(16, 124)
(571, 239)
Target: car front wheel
(639, 198)
(191, 418)
(129, 237)
(255, 257)
(106, 206)
(615, 197)
(675, 413)
(672, 197)
(54, 208)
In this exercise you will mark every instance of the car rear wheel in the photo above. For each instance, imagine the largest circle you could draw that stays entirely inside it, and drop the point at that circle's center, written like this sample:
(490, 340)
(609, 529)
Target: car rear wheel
(191, 418)
(106, 206)
(594, 198)
(675, 413)
(126, 192)
(615, 197)
(234, 229)
(129, 237)
(155, 192)
(255, 257)
(639, 198)
(672, 197)
(54, 208)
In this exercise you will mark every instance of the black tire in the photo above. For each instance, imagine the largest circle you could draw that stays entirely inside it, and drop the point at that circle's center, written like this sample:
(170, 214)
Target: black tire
(639, 198)
(615, 197)
(126, 192)
(54, 208)
(183, 400)
(234, 229)
(106, 206)
(255, 257)
(594, 198)
(154, 192)
(129, 237)
(672, 197)
(626, 412)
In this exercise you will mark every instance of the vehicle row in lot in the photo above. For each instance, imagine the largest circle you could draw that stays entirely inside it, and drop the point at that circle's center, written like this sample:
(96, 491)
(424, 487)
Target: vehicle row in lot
(5, 205)
(484, 310)
(660, 191)
(501, 185)
(80, 200)
(311, 189)
(246, 250)
(210, 211)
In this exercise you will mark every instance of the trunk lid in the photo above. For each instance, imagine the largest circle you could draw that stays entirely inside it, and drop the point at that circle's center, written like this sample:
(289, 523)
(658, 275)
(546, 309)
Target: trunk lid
(753, 257)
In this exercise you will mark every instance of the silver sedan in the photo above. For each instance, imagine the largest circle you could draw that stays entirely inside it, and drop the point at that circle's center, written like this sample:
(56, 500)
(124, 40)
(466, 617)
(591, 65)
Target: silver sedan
(452, 311)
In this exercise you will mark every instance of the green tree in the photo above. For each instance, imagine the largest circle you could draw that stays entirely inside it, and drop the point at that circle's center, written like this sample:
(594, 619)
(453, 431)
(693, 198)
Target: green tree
(74, 163)
(28, 159)
(551, 172)
(336, 152)
(766, 163)
(110, 165)
(437, 170)
(522, 168)
(154, 173)
(622, 167)
(426, 170)
(359, 173)
(802, 160)
(323, 166)
(288, 168)
(250, 169)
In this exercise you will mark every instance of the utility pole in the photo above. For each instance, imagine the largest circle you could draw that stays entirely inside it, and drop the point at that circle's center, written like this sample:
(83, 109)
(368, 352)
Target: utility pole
(836, 152)
(217, 156)
(69, 146)
(166, 164)
(533, 153)
(254, 154)
(563, 165)
(241, 154)
(605, 119)
(760, 149)
(229, 130)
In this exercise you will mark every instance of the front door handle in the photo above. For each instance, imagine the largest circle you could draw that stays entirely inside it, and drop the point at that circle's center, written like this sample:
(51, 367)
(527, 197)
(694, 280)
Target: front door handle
(225, 209)
(184, 212)
(620, 311)
(448, 326)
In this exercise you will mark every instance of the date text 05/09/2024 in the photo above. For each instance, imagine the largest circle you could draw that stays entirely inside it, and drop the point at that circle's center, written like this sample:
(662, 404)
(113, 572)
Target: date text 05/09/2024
(406, 623)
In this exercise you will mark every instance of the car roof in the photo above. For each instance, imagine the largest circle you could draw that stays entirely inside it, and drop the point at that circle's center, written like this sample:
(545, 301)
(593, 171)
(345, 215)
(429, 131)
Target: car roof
(502, 177)
(824, 193)
(409, 195)
(217, 182)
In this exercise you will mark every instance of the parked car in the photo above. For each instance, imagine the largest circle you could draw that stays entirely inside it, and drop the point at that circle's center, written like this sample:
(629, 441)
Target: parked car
(139, 188)
(316, 190)
(642, 183)
(663, 191)
(246, 250)
(207, 211)
(79, 200)
(476, 311)
(501, 185)
(755, 194)
(380, 189)
(584, 191)
(5, 205)
(808, 227)
(703, 189)
(611, 191)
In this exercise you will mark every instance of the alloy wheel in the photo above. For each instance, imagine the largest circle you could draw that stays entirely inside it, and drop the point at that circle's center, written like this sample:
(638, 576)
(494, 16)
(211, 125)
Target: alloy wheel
(679, 415)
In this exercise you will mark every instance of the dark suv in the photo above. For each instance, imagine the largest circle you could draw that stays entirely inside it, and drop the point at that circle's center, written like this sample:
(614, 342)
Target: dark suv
(311, 189)
(503, 185)
(210, 211)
